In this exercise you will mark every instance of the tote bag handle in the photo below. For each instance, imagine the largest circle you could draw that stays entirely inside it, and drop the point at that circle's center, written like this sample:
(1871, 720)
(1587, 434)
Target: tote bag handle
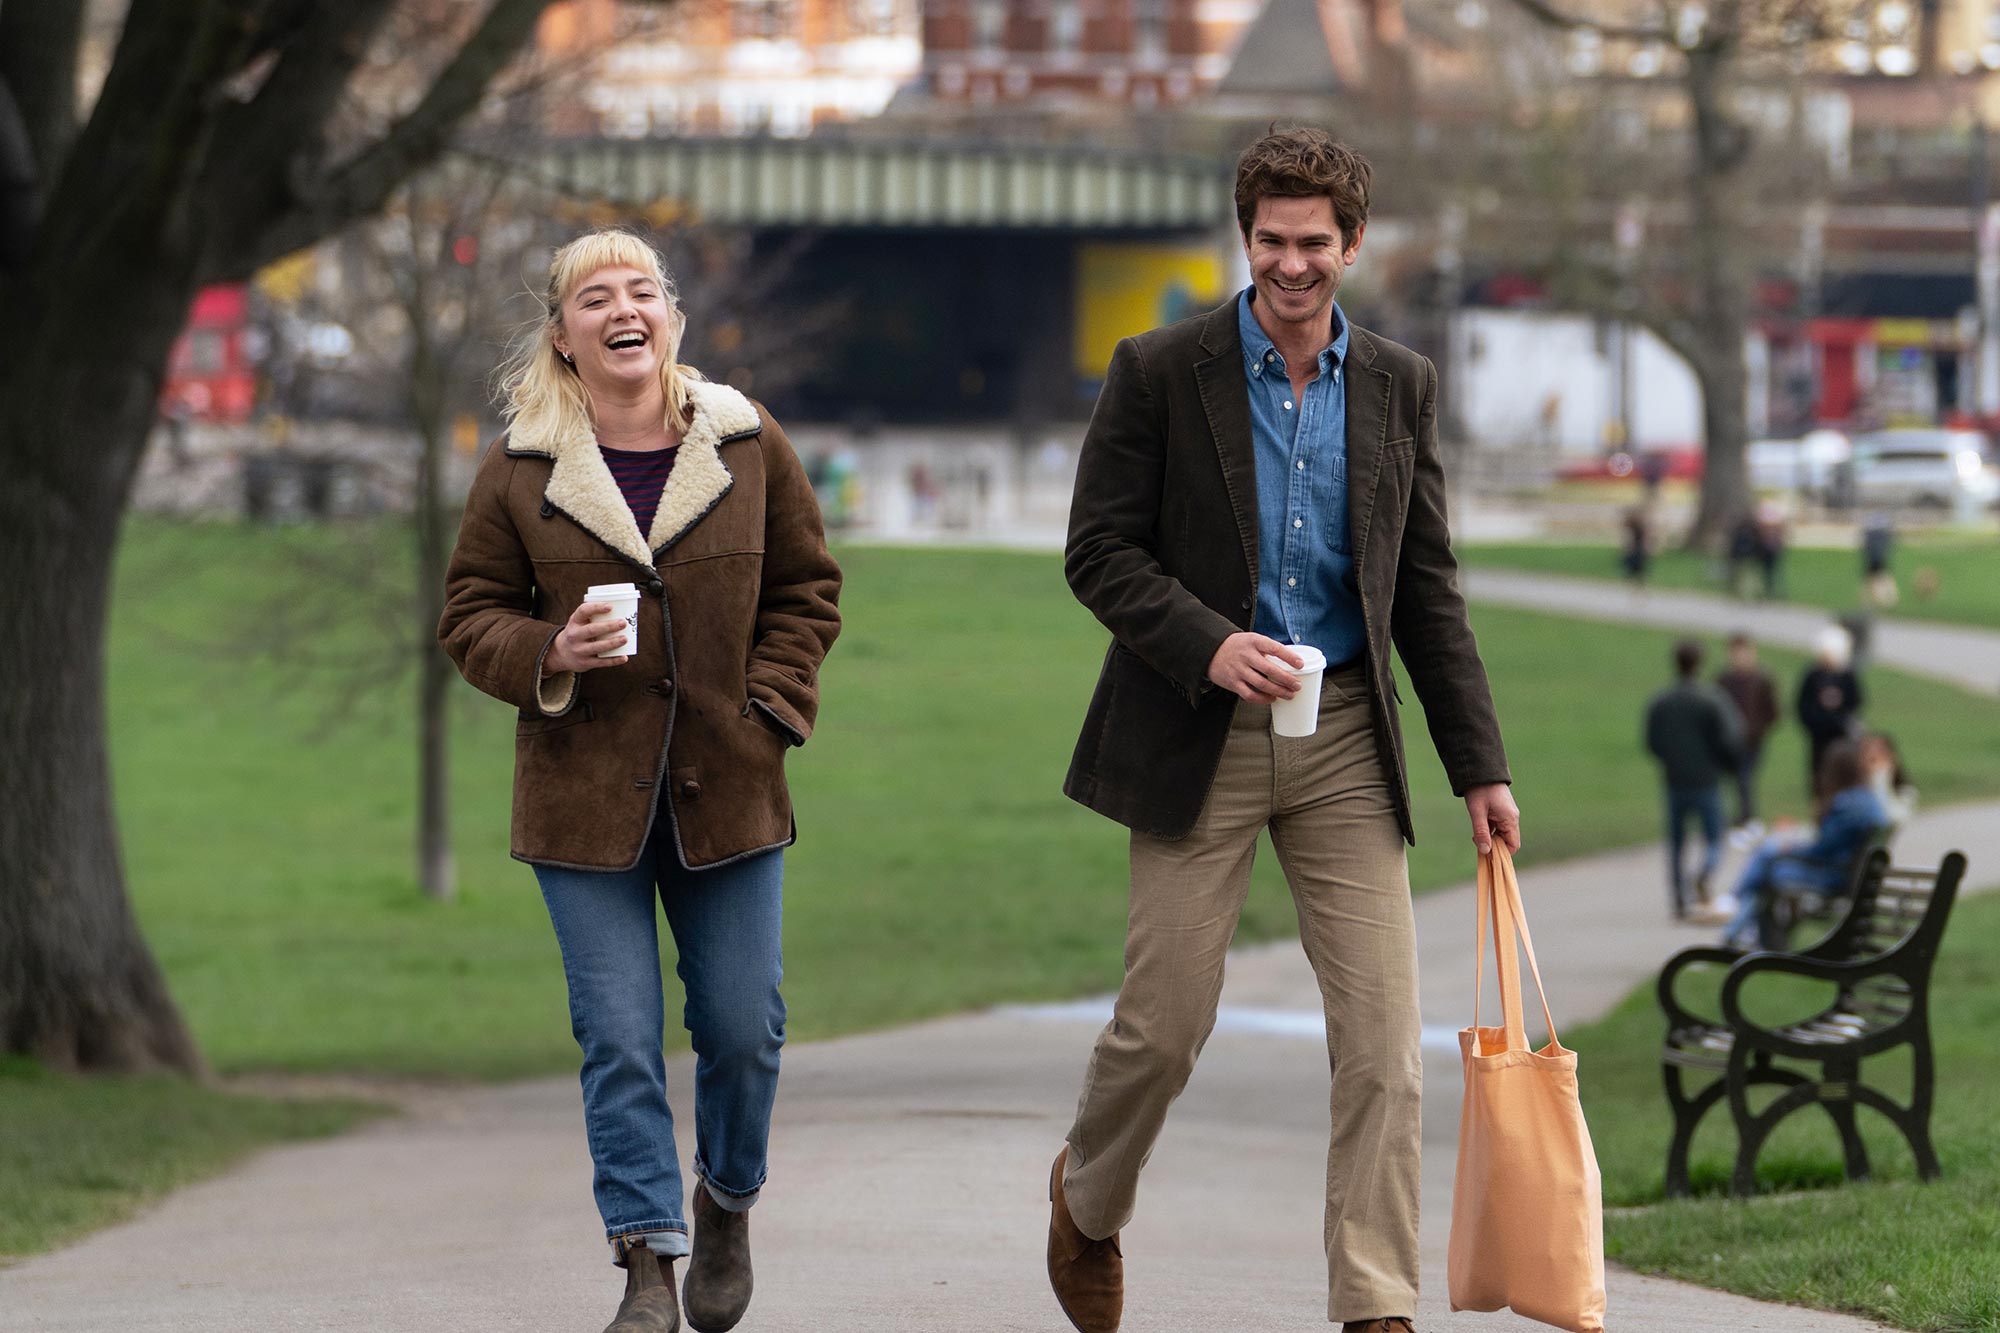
(1500, 893)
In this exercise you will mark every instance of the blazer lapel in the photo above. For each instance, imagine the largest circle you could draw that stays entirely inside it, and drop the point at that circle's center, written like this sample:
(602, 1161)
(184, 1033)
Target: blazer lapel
(1368, 396)
(1225, 398)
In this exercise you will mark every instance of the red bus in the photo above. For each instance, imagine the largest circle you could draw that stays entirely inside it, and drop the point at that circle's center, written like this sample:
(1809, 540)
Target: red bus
(210, 377)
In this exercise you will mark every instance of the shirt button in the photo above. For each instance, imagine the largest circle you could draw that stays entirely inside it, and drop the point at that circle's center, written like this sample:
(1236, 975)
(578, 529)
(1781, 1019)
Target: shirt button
(1288, 405)
(1269, 355)
(1291, 583)
(1298, 522)
(1302, 465)
(1336, 374)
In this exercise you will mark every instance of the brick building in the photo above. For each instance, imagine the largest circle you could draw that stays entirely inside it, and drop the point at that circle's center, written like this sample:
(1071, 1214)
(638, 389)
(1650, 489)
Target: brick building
(1141, 53)
(780, 67)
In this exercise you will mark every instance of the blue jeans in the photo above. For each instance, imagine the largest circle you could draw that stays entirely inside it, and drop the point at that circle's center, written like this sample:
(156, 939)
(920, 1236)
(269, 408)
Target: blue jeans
(1706, 803)
(726, 927)
(1768, 870)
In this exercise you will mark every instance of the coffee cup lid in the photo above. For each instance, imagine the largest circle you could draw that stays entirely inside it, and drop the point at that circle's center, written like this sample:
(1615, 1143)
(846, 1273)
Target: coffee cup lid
(1315, 660)
(603, 590)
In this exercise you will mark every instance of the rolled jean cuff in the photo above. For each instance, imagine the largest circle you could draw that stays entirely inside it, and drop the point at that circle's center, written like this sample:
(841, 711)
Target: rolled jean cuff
(727, 1202)
(669, 1241)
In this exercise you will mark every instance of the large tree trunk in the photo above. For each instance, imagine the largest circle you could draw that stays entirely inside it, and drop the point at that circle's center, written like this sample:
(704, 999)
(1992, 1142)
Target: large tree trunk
(78, 988)
(1721, 297)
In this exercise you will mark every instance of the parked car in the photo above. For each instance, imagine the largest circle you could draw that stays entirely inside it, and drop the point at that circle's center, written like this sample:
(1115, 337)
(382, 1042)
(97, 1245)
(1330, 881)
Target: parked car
(1932, 468)
(1807, 466)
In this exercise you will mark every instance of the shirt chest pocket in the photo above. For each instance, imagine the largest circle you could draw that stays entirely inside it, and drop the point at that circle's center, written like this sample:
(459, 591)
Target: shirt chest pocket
(1330, 501)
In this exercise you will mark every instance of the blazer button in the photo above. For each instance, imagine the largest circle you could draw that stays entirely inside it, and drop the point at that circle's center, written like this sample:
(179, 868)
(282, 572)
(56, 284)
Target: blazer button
(691, 789)
(1246, 603)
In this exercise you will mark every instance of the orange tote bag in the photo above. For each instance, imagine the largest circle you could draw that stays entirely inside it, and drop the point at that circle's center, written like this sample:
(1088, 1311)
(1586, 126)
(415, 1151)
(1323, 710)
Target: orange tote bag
(1527, 1209)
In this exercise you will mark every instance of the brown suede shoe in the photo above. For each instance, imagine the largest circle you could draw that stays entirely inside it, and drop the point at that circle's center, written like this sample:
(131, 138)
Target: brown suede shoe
(649, 1305)
(1088, 1275)
(1393, 1324)
(718, 1276)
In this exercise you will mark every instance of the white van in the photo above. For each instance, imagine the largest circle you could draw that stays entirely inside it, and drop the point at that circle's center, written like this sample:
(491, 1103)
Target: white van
(1930, 468)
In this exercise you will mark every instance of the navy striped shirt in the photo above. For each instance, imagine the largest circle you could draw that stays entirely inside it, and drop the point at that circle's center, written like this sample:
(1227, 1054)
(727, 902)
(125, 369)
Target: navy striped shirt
(641, 475)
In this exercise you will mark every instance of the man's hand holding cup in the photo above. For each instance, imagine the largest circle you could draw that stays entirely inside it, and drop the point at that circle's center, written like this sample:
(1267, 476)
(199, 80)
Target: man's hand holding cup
(1243, 666)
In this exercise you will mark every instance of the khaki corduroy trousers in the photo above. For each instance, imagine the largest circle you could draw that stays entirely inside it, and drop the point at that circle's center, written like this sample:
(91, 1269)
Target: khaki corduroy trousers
(1332, 819)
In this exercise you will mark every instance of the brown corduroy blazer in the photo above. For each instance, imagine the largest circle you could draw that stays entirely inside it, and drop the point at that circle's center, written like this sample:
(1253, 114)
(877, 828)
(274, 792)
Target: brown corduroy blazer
(737, 608)
(1163, 551)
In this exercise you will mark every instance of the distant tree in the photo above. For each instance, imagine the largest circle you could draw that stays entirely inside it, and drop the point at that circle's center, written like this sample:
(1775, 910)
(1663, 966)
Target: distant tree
(225, 134)
(1700, 304)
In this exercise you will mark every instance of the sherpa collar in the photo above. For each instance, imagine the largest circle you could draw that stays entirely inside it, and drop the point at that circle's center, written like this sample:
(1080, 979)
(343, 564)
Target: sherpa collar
(582, 486)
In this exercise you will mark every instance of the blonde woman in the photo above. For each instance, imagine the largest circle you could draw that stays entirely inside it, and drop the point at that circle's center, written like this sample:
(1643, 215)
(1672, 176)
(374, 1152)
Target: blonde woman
(655, 769)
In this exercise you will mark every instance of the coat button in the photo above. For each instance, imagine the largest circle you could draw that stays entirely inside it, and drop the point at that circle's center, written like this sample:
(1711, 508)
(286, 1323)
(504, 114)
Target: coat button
(656, 587)
(691, 789)
(1246, 603)
(667, 686)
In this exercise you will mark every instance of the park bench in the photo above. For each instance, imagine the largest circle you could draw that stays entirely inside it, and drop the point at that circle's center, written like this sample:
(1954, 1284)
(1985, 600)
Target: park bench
(1879, 960)
(1791, 908)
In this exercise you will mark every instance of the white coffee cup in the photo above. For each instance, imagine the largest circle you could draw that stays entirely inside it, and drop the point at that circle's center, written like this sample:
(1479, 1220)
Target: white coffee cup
(1299, 715)
(624, 600)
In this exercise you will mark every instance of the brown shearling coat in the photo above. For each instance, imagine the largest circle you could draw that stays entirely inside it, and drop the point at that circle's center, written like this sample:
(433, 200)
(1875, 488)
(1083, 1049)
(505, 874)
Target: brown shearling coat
(737, 608)
(1163, 551)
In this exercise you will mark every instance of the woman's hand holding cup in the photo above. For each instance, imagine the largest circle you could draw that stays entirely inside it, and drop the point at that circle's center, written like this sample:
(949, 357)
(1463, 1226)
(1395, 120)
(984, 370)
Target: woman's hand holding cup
(579, 645)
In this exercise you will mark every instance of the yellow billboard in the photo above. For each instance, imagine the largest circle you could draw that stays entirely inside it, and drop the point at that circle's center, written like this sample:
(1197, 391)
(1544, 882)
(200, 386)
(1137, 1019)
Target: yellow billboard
(1123, 288)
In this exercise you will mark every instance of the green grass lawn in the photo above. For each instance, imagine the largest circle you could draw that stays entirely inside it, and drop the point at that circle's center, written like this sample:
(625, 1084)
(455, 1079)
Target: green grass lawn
(939, 868)
(78, 1153)
(1915, 1255)
(1967, 569)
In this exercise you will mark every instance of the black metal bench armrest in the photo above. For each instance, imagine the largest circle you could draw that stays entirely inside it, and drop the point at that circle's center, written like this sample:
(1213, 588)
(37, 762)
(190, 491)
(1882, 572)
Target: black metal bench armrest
(1788, 964)
(1678, 1015)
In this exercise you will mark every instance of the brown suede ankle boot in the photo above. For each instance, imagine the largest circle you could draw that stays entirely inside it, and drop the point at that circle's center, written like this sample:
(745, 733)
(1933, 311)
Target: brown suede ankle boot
(1088, 1275)
(718, 1276)
(650, 1305)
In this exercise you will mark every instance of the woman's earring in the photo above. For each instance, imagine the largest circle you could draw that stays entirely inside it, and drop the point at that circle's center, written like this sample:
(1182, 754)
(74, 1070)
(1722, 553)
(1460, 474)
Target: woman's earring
(568, 360)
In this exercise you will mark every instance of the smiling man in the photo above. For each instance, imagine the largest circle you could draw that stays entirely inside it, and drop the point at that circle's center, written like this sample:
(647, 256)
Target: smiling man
(1256, 479)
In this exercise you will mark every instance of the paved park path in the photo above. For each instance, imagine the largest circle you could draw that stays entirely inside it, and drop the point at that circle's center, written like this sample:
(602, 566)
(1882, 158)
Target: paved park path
(1962, 654)
(909, 1167)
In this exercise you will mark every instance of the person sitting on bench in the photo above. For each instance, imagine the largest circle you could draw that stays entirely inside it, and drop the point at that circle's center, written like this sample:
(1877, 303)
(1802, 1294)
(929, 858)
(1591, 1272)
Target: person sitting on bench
(1850, 816)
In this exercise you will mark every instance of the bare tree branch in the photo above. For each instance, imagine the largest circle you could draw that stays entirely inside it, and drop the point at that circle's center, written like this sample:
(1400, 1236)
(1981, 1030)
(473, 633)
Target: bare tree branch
(125, 175)
(20, 195)
(1547, 13)
(266, 140)
(38, 51)
(361, 185)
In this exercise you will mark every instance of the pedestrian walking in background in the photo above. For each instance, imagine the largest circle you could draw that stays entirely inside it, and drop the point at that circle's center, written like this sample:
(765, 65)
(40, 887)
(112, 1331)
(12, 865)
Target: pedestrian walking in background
(1745, 547)
(1850, 817)
(1693, 730)
(1755, 695)
(1637, 552)
(1829, 699)
(1878, 541)
(1771, 540)
(649, 760)
(1209, 591)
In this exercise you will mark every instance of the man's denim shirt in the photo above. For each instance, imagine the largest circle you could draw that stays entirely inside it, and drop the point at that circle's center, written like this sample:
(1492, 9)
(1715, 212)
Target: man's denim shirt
(1305, 568)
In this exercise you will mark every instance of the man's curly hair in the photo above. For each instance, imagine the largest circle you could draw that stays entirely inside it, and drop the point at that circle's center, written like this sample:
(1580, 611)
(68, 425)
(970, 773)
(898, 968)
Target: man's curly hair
(1303, 163)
